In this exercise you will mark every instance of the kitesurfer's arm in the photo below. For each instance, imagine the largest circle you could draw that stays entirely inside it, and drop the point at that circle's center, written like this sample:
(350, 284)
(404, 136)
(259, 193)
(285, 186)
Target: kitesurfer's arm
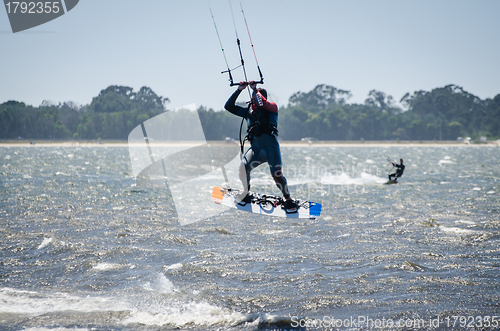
(231, 106)
(394, 164)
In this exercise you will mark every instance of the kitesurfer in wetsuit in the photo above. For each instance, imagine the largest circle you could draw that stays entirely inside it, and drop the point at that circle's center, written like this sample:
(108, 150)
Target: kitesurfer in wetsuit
(262, 132)
(399, 171)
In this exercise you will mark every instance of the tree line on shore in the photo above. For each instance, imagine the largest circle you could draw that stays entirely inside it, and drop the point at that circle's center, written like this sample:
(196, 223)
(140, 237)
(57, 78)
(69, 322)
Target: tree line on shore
(324, 113)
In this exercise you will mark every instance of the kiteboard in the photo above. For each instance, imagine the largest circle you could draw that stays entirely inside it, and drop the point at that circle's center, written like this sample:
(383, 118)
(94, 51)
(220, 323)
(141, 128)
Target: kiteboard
(392, 181)
(265, 204)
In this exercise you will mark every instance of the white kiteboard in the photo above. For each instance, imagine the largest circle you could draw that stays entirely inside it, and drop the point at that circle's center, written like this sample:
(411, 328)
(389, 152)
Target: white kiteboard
(265, 204)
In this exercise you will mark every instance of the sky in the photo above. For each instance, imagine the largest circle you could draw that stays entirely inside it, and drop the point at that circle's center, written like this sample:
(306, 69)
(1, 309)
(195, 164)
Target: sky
(393, 46)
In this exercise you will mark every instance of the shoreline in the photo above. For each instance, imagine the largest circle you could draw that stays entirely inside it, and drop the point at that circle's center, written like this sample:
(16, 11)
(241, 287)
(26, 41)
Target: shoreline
(284, 143)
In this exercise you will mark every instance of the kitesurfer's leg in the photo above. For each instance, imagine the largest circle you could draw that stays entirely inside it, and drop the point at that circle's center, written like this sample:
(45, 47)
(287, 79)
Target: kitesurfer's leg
(244, 172)
(280, 180)
(252, 159)
(273, 153)
(274, 160)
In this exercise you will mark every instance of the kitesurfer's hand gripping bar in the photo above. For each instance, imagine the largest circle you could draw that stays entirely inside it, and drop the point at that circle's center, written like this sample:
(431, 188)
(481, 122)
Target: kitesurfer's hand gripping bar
(236, 84)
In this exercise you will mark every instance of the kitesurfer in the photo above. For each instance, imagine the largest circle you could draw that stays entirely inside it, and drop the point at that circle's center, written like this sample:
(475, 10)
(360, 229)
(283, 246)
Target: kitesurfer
(399, 171)
(262, 132)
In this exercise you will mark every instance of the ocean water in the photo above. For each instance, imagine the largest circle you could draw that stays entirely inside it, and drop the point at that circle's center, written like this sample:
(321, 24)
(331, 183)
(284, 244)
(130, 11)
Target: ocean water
(84, 248)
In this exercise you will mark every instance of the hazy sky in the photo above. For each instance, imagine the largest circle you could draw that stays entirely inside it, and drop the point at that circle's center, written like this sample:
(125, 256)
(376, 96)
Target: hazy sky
(393, 46)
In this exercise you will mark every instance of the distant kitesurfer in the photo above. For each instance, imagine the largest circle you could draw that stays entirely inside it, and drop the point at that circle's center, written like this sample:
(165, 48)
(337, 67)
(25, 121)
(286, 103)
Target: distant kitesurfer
(399, 171)
(262, 132)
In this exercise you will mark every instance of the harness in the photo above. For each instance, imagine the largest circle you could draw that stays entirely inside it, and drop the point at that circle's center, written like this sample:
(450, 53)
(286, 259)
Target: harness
(400, 169)
(261, 126)
(258, 129)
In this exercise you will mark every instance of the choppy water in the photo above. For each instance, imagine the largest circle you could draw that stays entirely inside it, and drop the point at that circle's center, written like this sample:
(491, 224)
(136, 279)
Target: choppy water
(83, 248)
